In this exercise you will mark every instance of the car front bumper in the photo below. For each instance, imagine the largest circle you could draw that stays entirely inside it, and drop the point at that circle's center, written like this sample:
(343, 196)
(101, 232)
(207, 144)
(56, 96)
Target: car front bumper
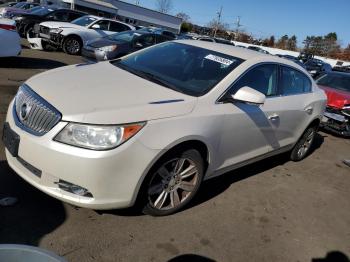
(112, 177)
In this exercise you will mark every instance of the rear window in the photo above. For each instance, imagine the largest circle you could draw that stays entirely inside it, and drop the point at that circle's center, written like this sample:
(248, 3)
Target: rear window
(188, 69)
(337, 81)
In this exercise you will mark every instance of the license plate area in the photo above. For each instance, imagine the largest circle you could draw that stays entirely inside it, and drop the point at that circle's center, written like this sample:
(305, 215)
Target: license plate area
(11, 140)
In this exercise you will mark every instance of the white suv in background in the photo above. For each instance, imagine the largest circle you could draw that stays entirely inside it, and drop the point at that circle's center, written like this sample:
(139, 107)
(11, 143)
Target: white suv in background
(72, 36)
(152, 125)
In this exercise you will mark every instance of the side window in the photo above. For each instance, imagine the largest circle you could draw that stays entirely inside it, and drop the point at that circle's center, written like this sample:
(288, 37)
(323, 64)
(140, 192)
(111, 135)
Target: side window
(117, 27)
(162, 38)
(146, 40)
(72, 16)
(262, 78)
(60, 16)
(294, 82)
(104, 25)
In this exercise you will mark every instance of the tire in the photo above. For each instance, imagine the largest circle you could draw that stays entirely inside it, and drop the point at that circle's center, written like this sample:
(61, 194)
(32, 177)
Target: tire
(303, 146)
(166, 192)
(72, 45)
(27, 29)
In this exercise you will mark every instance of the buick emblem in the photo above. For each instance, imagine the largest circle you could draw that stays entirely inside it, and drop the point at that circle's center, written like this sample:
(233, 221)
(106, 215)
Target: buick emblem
(24, 111)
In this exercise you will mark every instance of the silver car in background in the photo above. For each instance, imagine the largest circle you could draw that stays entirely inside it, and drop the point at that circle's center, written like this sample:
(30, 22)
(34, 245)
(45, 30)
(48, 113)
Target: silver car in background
(151, 126)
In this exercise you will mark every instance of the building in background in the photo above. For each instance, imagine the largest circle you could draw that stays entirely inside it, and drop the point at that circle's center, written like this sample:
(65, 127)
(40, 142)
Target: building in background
(129, 13)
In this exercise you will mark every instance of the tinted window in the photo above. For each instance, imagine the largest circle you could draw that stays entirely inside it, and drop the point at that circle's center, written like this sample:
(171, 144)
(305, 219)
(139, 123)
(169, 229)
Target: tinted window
(206, 39)
(262, 78)
(60, 16)
(162, 38)
(123, 36)
(184, 68)
(169, 34)
(72, 16)
(146, 40)
(84, 21)
(104, 25)
(117, 27)
(337, 81)
(294, 82)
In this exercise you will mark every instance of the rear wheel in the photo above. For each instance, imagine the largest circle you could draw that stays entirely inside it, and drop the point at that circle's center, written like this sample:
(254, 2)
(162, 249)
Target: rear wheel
(302, 147)
(173, 183)
(72, 45)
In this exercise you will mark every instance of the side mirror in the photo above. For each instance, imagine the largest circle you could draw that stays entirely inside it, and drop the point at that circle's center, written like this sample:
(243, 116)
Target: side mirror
(95, 26)
(249, 95)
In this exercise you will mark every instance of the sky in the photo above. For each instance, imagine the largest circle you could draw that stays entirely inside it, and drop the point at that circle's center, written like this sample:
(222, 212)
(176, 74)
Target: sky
(263, 18)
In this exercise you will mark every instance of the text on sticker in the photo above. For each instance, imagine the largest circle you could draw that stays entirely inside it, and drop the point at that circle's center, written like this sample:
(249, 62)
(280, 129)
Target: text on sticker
(219, 59)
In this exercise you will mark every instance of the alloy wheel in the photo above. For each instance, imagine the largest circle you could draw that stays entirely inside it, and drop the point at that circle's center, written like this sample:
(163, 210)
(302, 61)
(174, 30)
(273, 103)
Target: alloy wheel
(304, 148)
(173, 183)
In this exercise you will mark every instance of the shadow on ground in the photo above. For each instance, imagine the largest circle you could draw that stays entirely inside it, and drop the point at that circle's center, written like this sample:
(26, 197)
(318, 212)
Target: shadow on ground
(29, 63)
(216, 186)
(333, 256)
(191, 258)
(34, 216)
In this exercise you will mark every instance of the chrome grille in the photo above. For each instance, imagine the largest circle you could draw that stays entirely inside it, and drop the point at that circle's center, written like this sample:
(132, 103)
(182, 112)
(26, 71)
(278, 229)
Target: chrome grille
(33, 114)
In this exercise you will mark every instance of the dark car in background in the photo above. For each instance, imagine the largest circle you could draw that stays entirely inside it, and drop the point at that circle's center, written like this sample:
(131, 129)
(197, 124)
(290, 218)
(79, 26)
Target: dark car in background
(158, 31)
(117, 45)
(337, 88)
(216, 40)
(317, 67)
(258, 49)
(26, 22)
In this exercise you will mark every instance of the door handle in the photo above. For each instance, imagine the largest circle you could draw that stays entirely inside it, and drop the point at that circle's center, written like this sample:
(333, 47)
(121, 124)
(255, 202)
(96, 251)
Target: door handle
(273, 117)
(309, 110)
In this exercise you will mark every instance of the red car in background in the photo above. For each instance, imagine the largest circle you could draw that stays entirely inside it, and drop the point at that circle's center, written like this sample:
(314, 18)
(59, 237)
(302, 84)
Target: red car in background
(337, 88)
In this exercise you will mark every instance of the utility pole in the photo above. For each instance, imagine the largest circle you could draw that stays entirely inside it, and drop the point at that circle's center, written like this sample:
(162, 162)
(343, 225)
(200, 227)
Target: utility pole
(219, 19)
(137, 2)
(238, 25)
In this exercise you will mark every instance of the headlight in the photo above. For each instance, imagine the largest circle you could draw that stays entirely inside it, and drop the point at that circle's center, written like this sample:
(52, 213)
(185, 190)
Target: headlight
(56, 30)
(109, 48)
(97, 137)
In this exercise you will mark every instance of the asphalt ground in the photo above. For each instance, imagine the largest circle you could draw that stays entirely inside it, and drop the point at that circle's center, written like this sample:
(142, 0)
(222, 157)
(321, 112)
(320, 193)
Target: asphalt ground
(273, 210)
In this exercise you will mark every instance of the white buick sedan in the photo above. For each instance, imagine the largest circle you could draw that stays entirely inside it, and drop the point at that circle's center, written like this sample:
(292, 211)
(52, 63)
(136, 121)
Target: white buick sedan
(151, 126)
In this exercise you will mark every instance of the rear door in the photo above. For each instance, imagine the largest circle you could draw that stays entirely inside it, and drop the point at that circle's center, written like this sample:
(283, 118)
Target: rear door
(293, 107)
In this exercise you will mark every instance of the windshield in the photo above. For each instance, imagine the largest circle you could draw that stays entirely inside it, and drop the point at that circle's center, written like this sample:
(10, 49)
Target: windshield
(124, 36)
(84, 21)
(39, 10)
(337, 81)
(184, 68)
(19, 5)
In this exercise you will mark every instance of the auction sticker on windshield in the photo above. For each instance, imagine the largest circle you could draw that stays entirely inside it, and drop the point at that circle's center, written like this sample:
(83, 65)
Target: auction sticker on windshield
(219, 59)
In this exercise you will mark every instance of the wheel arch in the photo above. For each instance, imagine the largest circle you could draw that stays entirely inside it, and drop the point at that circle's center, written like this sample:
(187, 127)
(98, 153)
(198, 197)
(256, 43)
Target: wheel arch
(190, 143)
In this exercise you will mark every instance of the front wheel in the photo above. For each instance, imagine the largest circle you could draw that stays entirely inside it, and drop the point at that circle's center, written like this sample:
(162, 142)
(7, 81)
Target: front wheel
(302, 147)
(72, 45)
(173, 183)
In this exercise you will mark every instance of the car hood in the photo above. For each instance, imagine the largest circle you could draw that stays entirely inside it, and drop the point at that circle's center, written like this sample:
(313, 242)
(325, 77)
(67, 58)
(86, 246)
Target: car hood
(52, 24)
(336, 98)
(102, 93)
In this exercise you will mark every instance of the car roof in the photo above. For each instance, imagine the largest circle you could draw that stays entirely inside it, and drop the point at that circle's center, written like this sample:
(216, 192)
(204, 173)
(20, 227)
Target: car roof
(243, 53)
(109, 19)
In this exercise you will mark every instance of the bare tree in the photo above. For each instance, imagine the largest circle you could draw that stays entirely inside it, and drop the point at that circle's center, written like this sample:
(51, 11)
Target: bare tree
(164, 6)
(185, 17)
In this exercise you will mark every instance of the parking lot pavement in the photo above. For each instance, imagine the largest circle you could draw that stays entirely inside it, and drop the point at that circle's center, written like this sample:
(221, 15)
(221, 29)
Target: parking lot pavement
(274, 210)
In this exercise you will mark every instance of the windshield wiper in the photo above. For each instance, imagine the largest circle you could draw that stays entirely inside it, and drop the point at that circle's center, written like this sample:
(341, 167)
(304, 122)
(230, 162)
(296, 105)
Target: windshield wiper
(148, 76)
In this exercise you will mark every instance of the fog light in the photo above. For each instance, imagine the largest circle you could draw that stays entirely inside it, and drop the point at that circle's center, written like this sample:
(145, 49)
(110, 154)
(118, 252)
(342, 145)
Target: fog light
(74, 189)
